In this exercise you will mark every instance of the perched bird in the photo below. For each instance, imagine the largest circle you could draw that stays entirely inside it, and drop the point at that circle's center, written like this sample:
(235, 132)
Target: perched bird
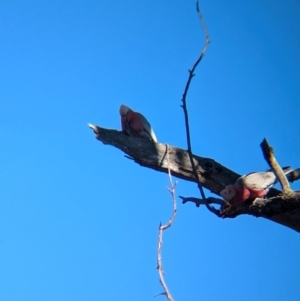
(135, 124)
(250, 186)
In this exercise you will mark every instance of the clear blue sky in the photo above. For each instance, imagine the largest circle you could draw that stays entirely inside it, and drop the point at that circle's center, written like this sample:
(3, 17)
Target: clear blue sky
(78, 221)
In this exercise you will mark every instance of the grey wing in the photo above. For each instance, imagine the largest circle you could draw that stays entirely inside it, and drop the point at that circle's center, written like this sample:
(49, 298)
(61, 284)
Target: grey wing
(127, 129)
(147, 127)
(257, 180)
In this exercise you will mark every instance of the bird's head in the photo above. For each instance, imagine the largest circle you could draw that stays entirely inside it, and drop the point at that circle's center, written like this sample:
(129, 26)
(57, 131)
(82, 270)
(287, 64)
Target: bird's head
(228, 193)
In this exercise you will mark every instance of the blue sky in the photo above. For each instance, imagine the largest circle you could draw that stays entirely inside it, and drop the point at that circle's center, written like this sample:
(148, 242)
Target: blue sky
(78, 221)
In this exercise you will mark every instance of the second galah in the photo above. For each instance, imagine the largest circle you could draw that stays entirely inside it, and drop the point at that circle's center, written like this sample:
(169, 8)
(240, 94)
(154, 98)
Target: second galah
(250, 186)
(135, 124)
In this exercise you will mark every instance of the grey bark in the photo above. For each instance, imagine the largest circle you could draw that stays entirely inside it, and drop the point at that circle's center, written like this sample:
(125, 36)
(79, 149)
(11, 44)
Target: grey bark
(212, 175)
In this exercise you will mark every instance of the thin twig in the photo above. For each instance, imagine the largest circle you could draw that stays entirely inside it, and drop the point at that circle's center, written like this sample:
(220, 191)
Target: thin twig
(160, 235)
(268, 153)
(184, 106)
(199, 202)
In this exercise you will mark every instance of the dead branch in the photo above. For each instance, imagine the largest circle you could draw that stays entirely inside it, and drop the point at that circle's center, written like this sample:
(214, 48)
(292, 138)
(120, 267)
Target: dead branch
(268, 153)
(265, 207)
(199, 202)
(161, 229)
(185, 110)
(277, 209)
(212, 175)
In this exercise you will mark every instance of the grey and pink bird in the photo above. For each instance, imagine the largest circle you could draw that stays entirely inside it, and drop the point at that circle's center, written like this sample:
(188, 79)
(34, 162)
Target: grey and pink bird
(135, 124)
(250, 186)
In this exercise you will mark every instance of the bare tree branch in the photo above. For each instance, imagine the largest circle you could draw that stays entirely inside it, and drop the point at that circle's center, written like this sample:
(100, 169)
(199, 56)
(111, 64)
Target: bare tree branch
(161, 229)
(268, 153)
(212, 174)
(271, 208)
(185, 110)
(199, 202)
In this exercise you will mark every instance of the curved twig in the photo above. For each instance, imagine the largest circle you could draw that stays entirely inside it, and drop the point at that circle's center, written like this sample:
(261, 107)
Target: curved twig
(160, 235)
(184, 106)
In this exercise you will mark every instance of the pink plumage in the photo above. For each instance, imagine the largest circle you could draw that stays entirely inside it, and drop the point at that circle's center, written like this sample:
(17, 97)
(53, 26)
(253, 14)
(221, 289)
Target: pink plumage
(135, 124)
(250, 186)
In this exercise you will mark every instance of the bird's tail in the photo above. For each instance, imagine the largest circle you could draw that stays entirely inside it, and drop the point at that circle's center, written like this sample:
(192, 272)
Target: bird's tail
(153, 136)
(290, 173)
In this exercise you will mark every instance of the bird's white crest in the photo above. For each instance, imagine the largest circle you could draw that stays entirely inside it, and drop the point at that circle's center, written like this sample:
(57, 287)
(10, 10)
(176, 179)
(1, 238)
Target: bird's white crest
(123, 110)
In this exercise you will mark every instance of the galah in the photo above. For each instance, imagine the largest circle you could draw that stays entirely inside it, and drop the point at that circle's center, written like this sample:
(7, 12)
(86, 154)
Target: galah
(136, 124)
(250, 186)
